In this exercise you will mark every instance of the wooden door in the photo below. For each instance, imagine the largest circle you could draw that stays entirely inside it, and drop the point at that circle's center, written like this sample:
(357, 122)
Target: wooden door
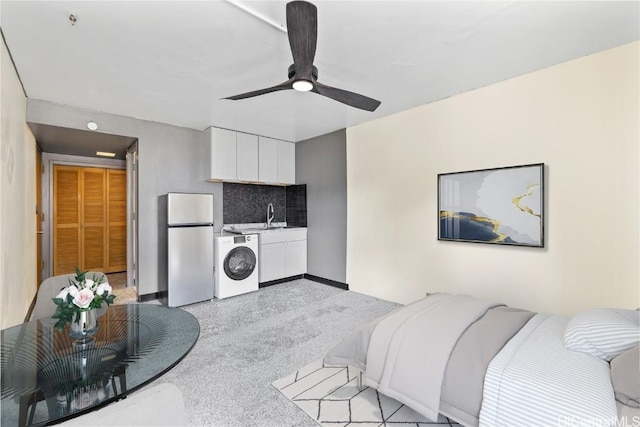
(117, 220)
(66, 219)
(89, 219)
(93, 219)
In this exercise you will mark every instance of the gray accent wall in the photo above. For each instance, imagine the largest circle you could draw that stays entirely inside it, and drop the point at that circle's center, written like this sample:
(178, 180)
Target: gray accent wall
(170, 158)
(321, 164)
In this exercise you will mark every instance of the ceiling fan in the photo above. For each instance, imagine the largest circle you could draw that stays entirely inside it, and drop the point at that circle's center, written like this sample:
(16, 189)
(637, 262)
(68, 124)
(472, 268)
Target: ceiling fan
(302, 26)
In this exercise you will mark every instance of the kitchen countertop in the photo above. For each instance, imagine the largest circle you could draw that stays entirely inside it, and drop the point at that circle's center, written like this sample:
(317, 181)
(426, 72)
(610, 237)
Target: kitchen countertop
(258, 228)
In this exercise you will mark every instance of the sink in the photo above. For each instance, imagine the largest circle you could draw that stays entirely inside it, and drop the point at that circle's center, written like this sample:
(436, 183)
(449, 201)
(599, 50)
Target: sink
(259, 230)
(245, 230)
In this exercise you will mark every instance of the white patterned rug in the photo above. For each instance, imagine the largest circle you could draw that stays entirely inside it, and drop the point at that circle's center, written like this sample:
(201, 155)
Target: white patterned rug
(330, 395)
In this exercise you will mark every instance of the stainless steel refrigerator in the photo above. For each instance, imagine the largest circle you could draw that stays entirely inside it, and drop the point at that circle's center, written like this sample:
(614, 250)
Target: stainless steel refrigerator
(190, 248)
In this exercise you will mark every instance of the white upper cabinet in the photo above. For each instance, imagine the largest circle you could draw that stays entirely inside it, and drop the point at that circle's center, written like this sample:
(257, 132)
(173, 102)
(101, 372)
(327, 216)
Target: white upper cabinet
(247, 157)
(268, 160)
(242, 157)
(223, 154)
(286, 162)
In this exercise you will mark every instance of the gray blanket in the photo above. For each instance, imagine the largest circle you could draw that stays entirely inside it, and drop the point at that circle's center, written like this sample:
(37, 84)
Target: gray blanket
(409, 350)
(461, 387)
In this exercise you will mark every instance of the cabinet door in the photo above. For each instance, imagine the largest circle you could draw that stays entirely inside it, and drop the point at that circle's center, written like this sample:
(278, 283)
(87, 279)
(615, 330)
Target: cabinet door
(247, 157)
(223, 154)
(286, 162)
(272, 262)
(296, 258)
(268, 160)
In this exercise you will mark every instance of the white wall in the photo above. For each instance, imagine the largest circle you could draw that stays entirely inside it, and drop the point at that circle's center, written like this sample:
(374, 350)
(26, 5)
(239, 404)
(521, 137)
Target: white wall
(580, 118)
(18, 275)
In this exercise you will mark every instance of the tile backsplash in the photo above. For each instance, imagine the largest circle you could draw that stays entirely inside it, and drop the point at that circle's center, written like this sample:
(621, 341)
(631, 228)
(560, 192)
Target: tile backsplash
(296, 202)
(247, 203)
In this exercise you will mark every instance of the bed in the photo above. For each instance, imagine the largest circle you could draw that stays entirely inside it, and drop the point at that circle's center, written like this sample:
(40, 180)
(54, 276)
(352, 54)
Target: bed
(482, 363)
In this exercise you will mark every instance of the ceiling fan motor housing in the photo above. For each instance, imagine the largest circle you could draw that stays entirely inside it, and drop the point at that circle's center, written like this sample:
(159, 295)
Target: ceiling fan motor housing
(292, 72)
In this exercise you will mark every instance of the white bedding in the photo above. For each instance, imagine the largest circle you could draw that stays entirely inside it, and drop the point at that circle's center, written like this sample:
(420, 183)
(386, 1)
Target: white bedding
(535, 381)
(409, 350)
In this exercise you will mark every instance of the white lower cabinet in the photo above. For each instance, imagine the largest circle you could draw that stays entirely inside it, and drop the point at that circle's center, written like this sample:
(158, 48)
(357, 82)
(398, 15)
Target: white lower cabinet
(282, 254)
(295, 258)
(272, 262)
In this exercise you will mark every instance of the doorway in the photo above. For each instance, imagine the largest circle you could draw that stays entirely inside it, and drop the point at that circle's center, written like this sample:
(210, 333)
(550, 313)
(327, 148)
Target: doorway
(88, 219)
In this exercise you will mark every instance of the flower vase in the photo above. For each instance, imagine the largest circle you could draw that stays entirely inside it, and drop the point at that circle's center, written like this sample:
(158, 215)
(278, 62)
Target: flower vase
(83, 326)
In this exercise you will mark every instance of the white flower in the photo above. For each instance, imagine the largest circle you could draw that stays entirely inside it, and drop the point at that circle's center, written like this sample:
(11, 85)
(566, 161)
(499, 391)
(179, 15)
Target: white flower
(72, 290)
(102, 288)
(88, 283)
(83, 298)
(63, 294)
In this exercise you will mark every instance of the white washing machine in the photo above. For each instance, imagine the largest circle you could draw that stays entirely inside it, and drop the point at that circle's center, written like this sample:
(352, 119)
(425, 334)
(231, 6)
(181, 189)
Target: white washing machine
(236, 265)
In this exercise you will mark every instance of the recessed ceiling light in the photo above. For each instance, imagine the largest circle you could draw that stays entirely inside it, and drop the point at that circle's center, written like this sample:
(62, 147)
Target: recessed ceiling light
(105, 154)
(92, 126)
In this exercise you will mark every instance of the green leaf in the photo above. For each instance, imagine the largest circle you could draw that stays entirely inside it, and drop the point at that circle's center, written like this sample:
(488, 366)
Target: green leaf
(80, 275)
(58, 312)
(60, 325)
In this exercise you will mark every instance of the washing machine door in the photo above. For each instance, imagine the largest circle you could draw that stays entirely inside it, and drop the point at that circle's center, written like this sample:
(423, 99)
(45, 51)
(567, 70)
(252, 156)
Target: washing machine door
(239, 263)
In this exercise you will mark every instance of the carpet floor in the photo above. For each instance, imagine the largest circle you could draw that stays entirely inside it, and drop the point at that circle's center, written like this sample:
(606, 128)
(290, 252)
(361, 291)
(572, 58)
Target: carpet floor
(249, 341)
(124, 294)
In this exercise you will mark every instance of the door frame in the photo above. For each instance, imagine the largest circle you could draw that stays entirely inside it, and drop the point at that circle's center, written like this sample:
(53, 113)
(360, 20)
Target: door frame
(39, 216)
(132, 214)
(48, 161)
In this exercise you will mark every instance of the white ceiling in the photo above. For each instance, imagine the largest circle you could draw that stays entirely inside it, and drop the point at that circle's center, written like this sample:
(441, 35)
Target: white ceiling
(173, 61)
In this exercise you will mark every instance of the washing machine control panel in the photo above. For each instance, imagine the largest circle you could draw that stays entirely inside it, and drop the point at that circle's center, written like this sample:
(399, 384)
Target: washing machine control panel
(244, 239)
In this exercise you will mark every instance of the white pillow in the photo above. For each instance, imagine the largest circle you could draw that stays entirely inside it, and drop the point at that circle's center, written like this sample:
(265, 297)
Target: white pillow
(603, 332)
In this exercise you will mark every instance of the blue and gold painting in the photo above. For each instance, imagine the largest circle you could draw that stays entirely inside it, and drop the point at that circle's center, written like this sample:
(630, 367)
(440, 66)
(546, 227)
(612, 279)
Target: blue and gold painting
(503, 206)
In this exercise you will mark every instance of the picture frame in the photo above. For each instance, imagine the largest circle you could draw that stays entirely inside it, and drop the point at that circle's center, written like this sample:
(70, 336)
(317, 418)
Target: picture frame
(503, 206)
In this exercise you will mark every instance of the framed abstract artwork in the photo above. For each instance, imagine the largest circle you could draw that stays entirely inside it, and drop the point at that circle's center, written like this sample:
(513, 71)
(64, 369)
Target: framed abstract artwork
(500, 206)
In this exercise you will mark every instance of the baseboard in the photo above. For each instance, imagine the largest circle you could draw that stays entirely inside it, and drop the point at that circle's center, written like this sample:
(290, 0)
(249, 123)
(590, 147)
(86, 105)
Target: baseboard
(152, 297)
(278, 281)
(328, 282)
(322, 280)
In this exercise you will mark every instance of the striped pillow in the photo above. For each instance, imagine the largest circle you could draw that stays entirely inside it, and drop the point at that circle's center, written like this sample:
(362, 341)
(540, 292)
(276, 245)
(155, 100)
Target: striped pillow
(603, 332)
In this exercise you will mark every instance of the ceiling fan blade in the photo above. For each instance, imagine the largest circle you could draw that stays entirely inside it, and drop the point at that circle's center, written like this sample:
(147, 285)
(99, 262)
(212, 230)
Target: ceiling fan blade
(302, 29)
(281, 86)
(350, 98)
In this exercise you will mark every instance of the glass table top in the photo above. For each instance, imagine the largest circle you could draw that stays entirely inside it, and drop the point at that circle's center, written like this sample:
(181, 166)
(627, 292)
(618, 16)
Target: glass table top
(48, 376)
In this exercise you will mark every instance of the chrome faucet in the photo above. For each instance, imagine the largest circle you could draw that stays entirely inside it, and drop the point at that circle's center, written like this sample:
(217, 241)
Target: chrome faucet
(270, 214)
